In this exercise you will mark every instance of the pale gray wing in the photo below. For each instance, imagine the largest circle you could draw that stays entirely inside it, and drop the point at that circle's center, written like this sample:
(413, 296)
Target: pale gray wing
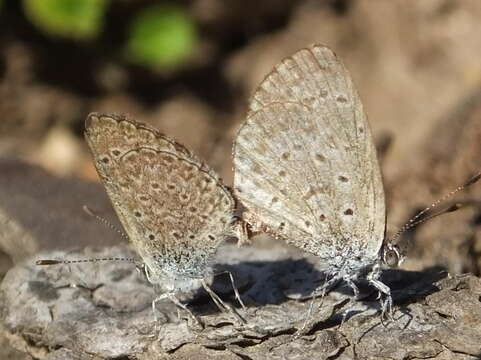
(174, 209)
(305, 164)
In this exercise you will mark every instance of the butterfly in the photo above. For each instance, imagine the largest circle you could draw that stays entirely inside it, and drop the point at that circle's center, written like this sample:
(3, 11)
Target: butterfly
(173, 207)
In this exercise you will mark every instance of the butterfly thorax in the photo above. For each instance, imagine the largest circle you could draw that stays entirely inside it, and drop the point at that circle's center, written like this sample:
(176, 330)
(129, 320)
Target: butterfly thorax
(353, 267)
(360, 265)
(170, 280)
(177, 273)
(172, 283)
(341, 254)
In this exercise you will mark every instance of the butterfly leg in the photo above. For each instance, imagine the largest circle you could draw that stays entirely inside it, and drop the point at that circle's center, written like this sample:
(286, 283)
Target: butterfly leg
(154, 310)
(351, 302)
(386, 305)
(176, 301)
(236, 291)
(319, 292)
(154, 302)
(171, 297)
(220, 304)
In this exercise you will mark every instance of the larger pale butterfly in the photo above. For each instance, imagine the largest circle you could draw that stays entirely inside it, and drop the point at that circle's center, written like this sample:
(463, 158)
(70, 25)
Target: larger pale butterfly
(306, 169)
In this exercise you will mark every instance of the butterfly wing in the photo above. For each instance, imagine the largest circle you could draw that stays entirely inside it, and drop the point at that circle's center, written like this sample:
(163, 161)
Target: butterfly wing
(174, 209)
(305, 164)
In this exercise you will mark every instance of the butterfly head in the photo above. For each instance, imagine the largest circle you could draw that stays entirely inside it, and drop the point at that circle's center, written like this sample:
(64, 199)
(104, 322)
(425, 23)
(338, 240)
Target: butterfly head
(392, 256)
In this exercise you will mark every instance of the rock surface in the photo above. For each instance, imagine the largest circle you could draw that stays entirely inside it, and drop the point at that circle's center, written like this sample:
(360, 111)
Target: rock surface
(40, 212)
(103, 310)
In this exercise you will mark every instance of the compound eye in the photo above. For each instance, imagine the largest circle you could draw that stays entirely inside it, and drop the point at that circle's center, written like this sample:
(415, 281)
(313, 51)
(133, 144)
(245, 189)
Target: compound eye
(391, 258)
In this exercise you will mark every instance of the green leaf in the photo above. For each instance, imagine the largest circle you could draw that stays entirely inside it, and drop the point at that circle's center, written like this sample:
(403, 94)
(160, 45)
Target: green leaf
(77, 19)
(161, 37)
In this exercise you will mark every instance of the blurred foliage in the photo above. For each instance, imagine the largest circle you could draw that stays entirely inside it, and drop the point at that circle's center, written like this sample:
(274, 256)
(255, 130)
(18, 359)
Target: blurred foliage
(76, 19)
(161, 37)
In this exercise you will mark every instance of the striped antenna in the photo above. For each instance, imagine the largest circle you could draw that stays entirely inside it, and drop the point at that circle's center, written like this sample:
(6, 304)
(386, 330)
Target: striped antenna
(104, 222)
(56, 262)
(416, 220)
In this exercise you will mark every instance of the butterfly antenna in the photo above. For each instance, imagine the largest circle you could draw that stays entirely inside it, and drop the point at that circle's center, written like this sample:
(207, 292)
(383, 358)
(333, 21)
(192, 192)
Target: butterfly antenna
(452, 208)
(415, 221)
(104, 221)
(56, 262)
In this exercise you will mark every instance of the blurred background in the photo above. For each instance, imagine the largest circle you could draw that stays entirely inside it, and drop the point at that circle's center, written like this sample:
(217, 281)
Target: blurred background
(189, 67)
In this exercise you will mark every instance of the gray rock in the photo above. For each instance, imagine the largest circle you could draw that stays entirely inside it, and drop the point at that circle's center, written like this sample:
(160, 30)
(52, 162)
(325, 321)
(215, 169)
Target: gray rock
(103, 309)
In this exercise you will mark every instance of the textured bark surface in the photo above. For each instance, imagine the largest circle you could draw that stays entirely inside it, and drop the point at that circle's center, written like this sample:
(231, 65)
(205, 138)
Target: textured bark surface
(107, 314)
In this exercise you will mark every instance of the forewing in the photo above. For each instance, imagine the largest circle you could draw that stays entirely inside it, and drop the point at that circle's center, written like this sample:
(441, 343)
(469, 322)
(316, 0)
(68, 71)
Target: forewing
(305, 164)
(170, 204)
